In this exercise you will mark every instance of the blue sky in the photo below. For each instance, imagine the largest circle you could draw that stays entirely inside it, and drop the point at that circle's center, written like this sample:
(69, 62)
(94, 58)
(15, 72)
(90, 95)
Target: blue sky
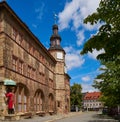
(38, 16)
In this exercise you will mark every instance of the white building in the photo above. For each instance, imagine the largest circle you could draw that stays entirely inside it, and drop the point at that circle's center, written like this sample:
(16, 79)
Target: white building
(91, 101)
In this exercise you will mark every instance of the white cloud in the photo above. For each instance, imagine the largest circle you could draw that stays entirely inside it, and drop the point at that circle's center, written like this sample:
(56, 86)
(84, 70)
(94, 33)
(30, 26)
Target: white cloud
(39, 14)
(90, 27)
(73, 15)
(73, 58)
(91, 74)
(39, 11)
(99, 80)
(86, 78)
(88, 88)
(80, 38)
(76, 11)
(66, 15)
(77, 21)
(95, 53)
(34, 25)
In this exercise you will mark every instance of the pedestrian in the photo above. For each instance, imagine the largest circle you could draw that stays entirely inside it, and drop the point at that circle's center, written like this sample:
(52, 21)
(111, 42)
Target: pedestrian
(10, 101)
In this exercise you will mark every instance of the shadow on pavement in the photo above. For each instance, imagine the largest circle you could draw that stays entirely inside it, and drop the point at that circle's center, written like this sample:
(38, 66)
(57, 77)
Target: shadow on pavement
(102, 118)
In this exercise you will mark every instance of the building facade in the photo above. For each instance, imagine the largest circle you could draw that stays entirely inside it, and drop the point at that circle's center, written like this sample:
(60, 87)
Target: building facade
(42, 85)
(91, 101)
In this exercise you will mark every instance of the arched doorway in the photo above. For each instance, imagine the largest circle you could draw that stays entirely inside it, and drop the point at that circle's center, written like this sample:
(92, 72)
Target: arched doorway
(22, 98)
(39, 100)
(51, 102)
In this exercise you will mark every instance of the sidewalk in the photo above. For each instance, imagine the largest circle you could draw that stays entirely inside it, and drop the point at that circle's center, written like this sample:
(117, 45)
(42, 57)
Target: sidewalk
(47, 118)
(57, 117)
(91, 116)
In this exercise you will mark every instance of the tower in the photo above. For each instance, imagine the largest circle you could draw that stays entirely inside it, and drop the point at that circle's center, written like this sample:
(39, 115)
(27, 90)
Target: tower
(59, 54)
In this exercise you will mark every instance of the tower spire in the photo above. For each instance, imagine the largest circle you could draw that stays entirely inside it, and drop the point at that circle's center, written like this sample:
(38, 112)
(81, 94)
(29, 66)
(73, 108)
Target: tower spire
(55, 18)
(55, 39)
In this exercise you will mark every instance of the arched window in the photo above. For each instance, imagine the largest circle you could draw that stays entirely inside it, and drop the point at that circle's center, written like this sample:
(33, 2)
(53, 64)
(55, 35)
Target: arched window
(22, 98)
(39, 100)
(51, 102)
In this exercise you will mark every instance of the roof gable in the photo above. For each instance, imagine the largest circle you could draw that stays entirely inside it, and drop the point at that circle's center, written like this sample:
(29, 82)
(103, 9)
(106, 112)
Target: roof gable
(92, 96)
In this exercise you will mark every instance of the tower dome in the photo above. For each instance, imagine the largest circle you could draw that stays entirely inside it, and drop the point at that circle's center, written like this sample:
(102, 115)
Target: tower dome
(55, 39)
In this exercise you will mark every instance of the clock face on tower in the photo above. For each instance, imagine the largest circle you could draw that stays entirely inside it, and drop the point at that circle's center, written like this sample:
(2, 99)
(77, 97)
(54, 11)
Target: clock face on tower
(59, 55)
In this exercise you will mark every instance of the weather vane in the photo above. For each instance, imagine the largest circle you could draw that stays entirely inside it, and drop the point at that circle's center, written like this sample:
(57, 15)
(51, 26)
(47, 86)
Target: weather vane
(55, 17)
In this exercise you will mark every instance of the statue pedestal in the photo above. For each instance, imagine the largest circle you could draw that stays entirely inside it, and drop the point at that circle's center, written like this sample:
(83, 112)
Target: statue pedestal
(12, 117)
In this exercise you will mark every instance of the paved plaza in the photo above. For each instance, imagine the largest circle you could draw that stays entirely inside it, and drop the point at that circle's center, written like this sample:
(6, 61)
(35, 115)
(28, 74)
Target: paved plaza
(71, 117)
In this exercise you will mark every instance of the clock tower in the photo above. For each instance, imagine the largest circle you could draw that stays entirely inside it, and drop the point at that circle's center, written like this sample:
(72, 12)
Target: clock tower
(55, 48)
(59, 54)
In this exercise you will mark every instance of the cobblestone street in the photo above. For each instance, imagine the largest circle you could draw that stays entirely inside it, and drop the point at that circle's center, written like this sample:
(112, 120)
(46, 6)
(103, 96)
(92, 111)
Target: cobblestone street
(71, 117)
(87, 117)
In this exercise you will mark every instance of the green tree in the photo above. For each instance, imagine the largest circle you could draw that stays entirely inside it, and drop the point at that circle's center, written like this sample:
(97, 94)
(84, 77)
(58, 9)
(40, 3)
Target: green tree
(110, 84)
(76, 94)
(108, 38)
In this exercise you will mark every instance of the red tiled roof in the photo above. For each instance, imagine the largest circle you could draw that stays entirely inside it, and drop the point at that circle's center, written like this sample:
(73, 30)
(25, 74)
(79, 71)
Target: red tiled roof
(92, 95)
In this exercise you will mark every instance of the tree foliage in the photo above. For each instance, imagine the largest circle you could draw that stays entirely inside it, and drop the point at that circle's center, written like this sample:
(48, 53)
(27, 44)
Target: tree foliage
(108, 38)
(110, 84)
(76, 94)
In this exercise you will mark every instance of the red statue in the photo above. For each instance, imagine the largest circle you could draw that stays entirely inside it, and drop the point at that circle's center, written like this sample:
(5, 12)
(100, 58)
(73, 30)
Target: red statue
(10, 101)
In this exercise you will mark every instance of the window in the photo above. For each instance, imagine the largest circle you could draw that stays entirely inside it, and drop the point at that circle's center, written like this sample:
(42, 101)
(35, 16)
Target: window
(30, 49)
(42, 59)
(17, 64)
(33, 73)
(22, 98)
(50, 83)
(22, 102)
(29, 71)
(19, 103)
(57, 42)
(43, 78)
(38, 101)
(40, 76)
(20, 39)
(33, 51)
(14, 63)
(14, 33)
(51, 102)
(21, 67)
(41, 72)
(58, 103)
